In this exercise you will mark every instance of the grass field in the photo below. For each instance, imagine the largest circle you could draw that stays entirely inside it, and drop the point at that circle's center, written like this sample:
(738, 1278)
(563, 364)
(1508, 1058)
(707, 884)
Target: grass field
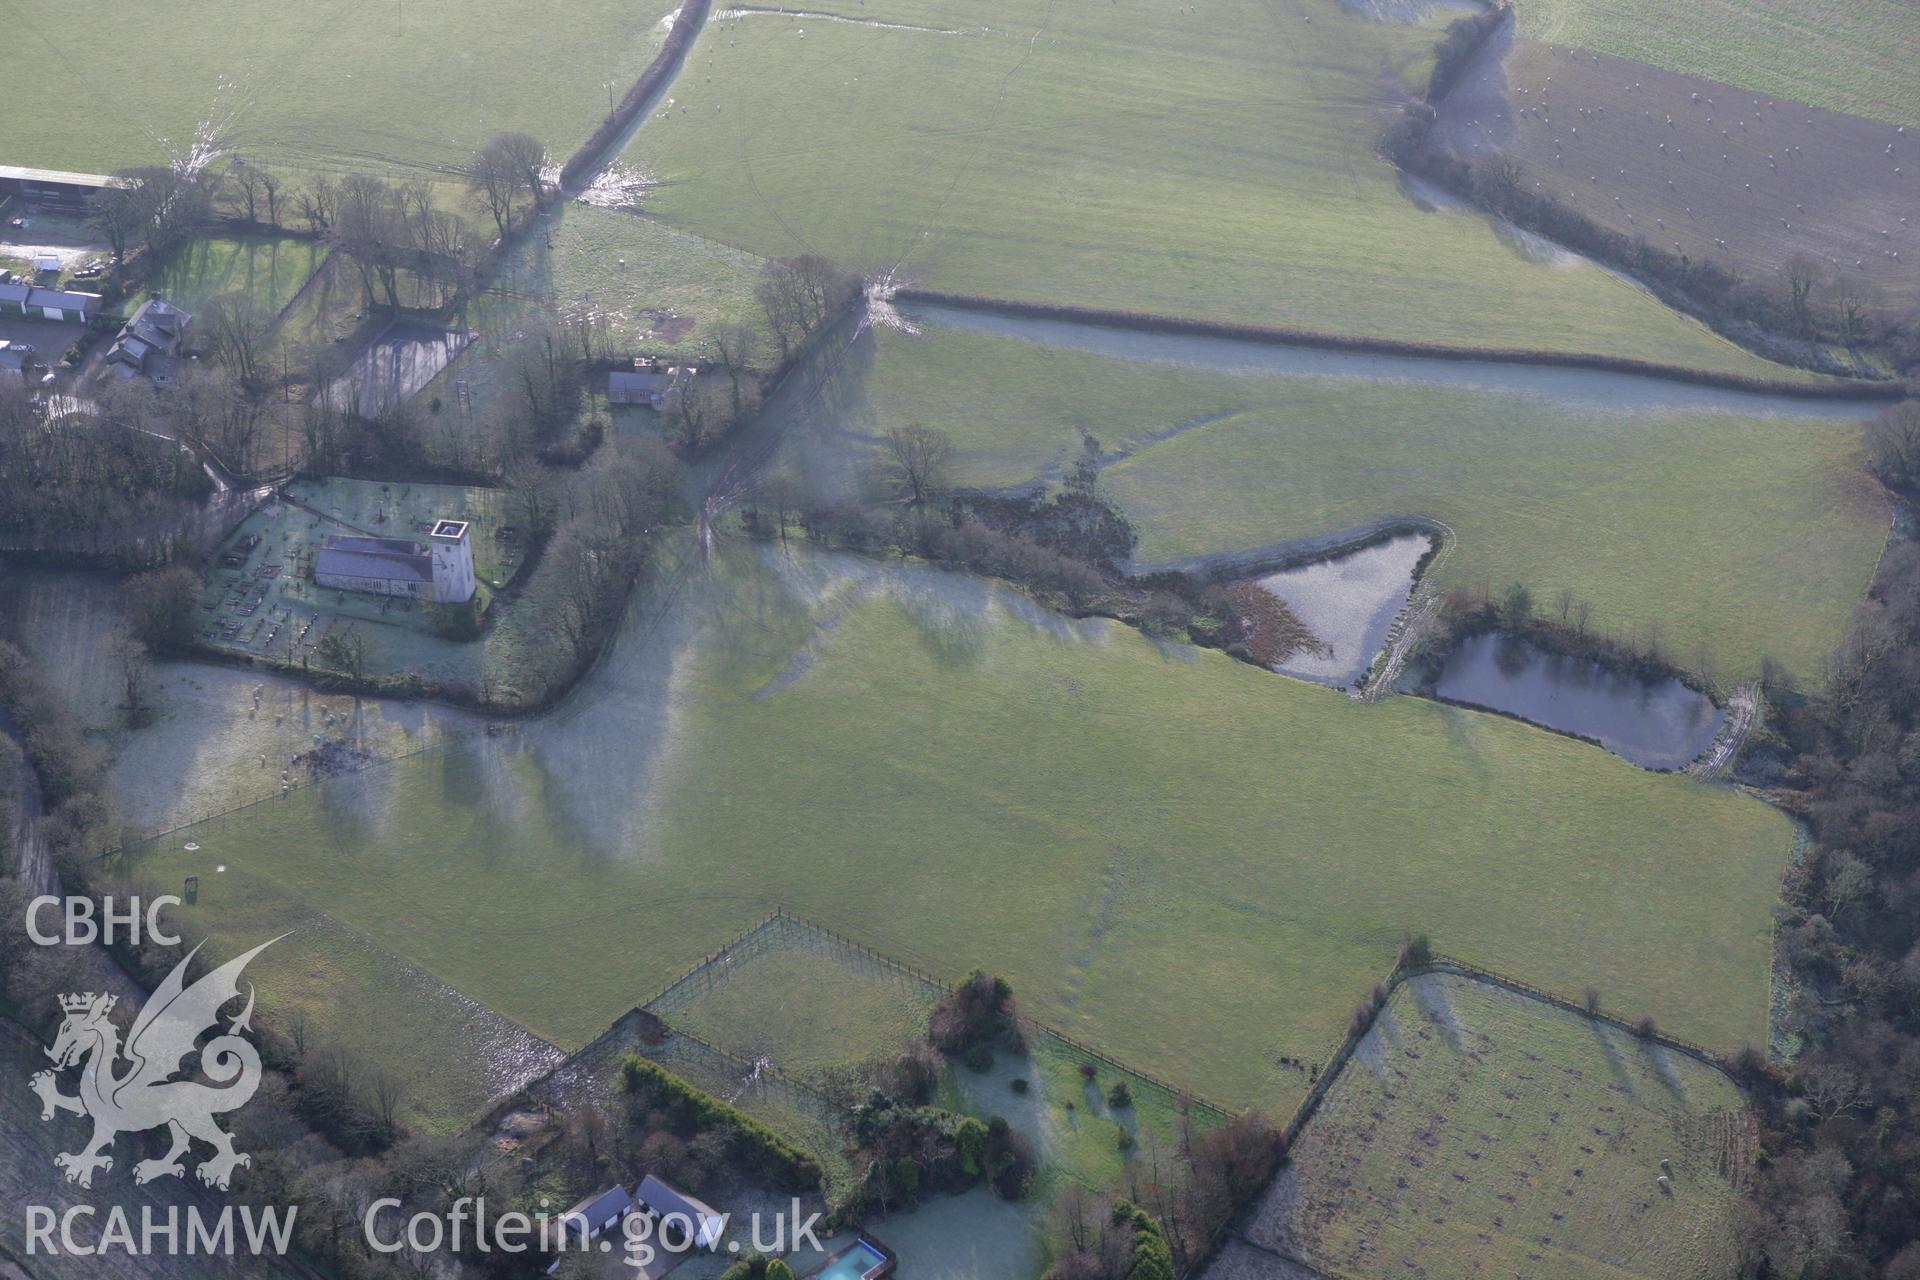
(967, 780)
(334, 84)
(201, 752)
(1477, 1132)
(1747, 533)
(270, 271)
(1132, 155)
(805, 1002)
(672, 288)
(1695, 167)
(450, 1055)
(1856, 57)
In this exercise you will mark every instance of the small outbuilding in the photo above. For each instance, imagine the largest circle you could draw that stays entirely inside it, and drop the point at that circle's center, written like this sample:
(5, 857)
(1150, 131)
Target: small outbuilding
(62, 304)
(650, 384)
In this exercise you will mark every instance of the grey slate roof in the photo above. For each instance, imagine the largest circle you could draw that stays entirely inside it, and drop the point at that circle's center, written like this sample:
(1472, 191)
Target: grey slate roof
(366, 542)
(63, 300)
(665, 1200)
(394, 559)
(160, 324)
(15, 292)
(636, 388)
(595, 1210)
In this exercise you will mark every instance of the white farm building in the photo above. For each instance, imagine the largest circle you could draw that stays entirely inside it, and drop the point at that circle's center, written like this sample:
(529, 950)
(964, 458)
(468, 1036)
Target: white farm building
(442, 574)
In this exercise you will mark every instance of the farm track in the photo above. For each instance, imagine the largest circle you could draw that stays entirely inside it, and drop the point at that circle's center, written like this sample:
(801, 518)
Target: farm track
(1743, 705)
(1410, 625)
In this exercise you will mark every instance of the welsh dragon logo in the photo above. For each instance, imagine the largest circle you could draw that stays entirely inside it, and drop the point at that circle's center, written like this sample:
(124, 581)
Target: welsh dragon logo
(144, 1095)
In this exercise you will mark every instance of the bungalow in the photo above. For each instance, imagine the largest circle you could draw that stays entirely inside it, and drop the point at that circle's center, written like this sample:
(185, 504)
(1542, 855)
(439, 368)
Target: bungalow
(597, 1215)
(690, 1217)
(60, 304)
(590, 1219)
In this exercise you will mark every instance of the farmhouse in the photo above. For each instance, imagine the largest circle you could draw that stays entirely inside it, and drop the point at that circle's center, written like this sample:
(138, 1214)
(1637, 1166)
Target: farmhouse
(442, 574)
(151, 342)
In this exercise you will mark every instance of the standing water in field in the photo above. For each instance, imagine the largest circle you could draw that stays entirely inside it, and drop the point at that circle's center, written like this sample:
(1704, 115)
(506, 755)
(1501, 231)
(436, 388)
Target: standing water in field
(1656, 724)
(1348, 602)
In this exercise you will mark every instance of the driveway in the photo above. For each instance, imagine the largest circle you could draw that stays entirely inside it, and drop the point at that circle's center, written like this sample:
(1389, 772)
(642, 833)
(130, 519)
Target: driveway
(48, 338)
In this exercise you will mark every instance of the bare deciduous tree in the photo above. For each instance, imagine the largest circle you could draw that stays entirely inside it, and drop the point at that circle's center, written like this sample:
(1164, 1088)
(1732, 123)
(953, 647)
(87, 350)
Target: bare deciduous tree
(798, 295)
(1854, 300)
(251, 183)
(920, 458)
(733, 346)
(1802, 275)
(508, 165)
(1893, 445)
(130, 658)
(237, 328)
(1832, 1089)
(319, 201)
(344, 651)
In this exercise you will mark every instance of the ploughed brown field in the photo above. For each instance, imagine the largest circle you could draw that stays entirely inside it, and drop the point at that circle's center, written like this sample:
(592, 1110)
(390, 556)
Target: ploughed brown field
(1696, 166)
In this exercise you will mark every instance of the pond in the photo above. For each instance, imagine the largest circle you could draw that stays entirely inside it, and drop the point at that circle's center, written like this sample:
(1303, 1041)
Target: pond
(1656, 724)
(1348, 602)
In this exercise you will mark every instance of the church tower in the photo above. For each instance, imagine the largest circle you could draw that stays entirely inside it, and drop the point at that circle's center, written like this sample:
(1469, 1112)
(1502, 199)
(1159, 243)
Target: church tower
(452, 562)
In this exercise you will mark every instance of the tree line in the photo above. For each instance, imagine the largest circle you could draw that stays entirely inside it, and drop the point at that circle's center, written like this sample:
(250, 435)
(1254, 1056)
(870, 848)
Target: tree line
(1839, 1174)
